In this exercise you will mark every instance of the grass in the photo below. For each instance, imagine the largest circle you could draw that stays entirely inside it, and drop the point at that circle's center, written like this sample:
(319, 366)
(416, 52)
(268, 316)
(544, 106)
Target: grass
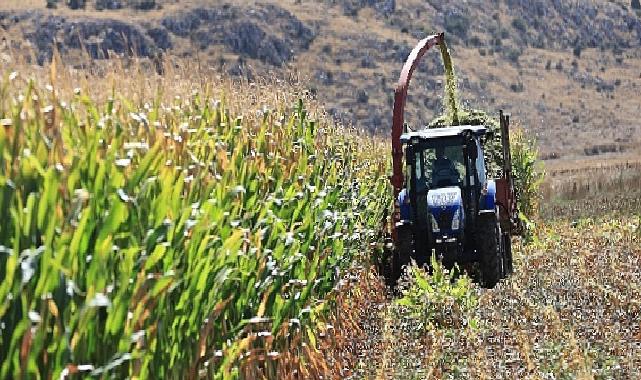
(173, 235)
(594, 188)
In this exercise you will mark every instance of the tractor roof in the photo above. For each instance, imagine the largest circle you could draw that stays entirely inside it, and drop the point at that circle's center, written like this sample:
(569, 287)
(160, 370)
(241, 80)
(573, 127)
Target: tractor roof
(437, 133)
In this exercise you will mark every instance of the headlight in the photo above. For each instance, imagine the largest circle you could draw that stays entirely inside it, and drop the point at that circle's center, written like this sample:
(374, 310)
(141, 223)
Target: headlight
(443, 199)
(434, 224)
(456, 220)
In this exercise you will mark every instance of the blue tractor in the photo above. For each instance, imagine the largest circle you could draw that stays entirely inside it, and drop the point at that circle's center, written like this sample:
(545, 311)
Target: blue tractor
(449, 206)
(446, 204)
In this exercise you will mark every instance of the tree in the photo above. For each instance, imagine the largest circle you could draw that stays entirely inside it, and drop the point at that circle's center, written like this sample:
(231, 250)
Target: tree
(636, 4)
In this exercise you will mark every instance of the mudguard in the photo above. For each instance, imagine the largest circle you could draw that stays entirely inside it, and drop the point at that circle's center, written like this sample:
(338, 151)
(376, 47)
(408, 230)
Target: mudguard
(404, 204)
(488, 198)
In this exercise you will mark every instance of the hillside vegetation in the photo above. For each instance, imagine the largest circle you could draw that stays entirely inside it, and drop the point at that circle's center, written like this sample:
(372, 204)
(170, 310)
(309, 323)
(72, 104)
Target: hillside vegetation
(572, 83)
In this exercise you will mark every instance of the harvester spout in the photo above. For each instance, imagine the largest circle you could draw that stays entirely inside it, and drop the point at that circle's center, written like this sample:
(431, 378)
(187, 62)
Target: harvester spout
(400, 96)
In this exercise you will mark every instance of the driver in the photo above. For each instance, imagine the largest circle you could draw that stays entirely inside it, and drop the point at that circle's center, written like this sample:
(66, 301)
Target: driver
(444, 169)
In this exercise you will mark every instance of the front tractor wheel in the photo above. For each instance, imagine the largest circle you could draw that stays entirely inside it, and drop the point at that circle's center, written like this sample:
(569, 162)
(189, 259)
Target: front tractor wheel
(490, 243)
(402, 251)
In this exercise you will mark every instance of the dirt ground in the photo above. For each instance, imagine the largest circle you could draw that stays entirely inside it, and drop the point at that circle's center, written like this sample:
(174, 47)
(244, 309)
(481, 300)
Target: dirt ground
(571, 310)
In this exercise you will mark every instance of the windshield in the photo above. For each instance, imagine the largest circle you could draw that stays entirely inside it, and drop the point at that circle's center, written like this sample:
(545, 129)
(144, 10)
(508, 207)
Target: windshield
(442, 166)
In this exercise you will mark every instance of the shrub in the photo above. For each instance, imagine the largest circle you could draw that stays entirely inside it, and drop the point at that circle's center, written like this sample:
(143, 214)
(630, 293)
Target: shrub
(517, 87)
(577, 51)
(362, 96)
(635, 4)
(519, 25)
(513, 55)
(457, 24)
(108, 4)
(142, 4)
(76, 4)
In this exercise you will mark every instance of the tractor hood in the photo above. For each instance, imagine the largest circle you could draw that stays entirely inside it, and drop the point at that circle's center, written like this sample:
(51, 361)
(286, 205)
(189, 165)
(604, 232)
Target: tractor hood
(445, 207)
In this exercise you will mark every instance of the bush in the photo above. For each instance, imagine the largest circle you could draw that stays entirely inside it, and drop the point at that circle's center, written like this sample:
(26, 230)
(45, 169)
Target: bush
(635, 4)
(517, 87)
(362, 96)
(142, 4)
(457, 24)
(108, 4)
(513, 55)
(577, 51)
(76, 4)
(519, 25)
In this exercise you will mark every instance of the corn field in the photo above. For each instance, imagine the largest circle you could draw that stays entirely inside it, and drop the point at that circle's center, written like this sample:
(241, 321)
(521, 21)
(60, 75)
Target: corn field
(173, 239)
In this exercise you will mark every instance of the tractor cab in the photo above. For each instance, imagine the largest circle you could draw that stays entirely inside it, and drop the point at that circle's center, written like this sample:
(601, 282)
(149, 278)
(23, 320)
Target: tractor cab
(445, 184)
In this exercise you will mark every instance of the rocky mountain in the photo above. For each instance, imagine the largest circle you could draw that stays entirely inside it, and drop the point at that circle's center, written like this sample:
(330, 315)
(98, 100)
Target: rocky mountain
(569, 71)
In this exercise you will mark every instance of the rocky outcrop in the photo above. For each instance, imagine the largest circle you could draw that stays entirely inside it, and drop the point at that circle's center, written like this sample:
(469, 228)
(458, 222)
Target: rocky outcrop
(98, 37)
(250, 32)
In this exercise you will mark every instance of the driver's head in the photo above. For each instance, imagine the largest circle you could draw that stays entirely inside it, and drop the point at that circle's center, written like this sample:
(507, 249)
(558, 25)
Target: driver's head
(440, 153)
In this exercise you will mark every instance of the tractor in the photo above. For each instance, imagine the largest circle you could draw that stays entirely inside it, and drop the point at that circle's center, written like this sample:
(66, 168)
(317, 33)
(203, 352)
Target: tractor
(445, 204)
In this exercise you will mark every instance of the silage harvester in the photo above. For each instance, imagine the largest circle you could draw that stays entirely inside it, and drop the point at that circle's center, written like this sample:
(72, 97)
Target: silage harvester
(445, 204)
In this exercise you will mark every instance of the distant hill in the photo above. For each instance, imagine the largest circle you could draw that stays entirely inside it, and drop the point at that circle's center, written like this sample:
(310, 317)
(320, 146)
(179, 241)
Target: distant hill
(569, 71)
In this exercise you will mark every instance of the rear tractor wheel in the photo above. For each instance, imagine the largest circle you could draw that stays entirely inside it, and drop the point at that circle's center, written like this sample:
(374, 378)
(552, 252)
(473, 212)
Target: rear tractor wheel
(489, 241)
(402, 251)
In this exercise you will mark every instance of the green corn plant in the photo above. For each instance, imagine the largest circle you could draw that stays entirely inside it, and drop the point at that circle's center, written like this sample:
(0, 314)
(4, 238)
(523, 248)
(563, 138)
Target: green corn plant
(173, 240)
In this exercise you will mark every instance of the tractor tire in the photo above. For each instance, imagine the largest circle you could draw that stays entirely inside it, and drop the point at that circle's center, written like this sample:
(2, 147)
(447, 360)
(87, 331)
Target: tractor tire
(490, 243)
(507, 248)
(402, 251)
